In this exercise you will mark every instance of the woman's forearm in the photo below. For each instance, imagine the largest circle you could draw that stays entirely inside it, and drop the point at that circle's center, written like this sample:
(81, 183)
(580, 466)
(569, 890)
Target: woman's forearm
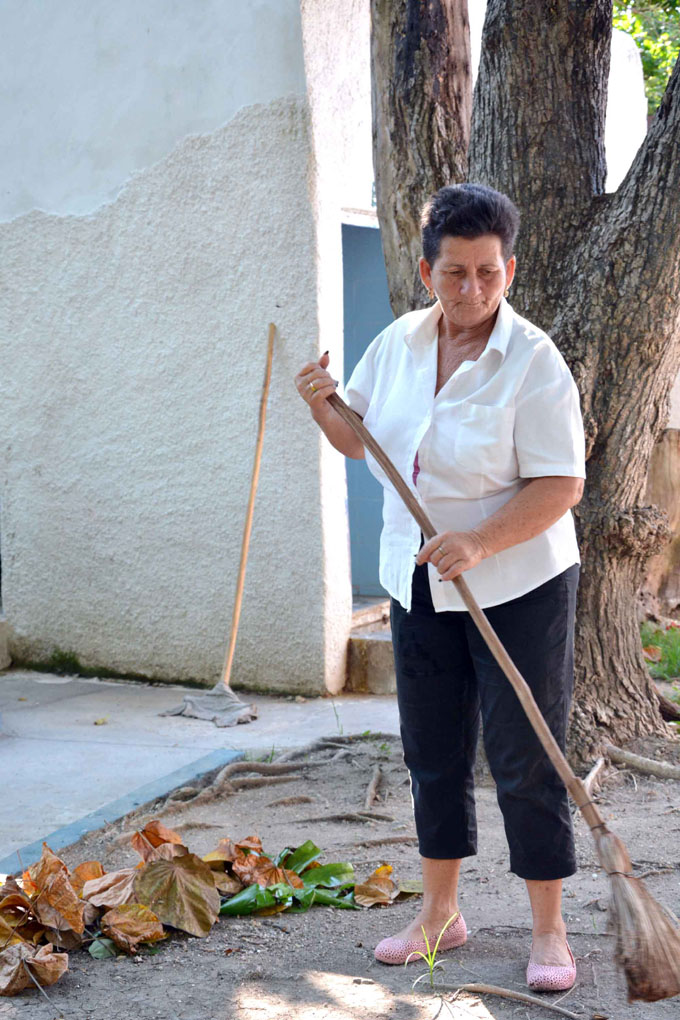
(538, 505)
(337, 431)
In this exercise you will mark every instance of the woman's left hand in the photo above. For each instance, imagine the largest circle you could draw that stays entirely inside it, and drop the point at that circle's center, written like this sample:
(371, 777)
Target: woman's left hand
(453, 552)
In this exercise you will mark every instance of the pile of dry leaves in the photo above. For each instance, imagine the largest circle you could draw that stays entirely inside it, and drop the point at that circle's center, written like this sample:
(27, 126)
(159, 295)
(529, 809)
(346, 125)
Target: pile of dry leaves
(51, 910)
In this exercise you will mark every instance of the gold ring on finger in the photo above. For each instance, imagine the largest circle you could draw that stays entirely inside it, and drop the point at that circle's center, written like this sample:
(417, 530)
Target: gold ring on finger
(311, 386)
(441, 550)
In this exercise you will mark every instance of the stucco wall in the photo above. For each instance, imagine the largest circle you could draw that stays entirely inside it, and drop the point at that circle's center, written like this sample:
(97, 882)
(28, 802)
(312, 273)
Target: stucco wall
(133, 346)
(90, 93)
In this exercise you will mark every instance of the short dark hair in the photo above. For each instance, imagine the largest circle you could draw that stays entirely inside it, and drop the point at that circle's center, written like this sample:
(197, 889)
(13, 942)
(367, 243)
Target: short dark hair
(468, 210)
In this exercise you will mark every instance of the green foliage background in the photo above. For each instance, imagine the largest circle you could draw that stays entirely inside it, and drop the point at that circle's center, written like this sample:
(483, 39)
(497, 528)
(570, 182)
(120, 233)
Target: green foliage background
(655, 26)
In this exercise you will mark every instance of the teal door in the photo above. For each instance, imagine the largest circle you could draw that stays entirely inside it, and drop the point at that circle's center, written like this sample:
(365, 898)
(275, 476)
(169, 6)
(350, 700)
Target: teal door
(367, 311)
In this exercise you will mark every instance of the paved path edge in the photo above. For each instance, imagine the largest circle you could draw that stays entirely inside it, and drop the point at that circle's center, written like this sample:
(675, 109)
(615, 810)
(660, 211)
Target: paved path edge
(116, 809)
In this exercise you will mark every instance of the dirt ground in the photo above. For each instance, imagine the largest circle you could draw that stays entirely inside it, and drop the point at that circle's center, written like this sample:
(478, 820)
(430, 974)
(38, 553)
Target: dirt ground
(320, 965)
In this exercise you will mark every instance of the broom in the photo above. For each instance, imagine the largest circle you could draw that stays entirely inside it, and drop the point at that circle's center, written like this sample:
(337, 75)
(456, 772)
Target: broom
(647, 934)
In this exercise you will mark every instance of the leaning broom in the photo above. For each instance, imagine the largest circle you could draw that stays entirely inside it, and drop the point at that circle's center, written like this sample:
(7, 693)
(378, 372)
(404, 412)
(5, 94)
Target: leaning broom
(647, 934)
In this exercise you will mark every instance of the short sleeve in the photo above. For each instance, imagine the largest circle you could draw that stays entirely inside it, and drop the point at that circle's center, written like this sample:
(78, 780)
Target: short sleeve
(359, 386)
(549, 438)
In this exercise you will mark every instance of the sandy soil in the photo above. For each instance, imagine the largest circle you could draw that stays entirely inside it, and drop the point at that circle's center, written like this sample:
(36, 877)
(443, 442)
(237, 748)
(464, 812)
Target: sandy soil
(320, 965)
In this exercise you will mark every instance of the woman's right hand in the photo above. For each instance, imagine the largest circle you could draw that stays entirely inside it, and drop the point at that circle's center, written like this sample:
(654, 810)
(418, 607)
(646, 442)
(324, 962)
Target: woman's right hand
(315, 384)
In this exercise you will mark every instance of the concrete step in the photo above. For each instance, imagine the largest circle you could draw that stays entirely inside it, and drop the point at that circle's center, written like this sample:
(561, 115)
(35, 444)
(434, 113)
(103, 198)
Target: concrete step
(5, 657)
(370, 662)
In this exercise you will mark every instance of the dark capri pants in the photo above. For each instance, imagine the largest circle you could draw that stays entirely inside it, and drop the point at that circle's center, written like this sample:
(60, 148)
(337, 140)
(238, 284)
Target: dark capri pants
(445, 675)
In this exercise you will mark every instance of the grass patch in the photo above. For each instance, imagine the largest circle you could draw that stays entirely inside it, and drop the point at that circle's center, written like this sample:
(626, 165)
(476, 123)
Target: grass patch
(661, 649)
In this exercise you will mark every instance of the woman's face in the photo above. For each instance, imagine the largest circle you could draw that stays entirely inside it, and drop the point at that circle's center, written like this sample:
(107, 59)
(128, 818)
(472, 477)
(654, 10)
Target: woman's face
(469, 277)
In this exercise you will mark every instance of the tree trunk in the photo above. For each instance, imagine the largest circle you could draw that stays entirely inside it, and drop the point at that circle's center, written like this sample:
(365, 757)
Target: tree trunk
(422, 99)
(601, 274)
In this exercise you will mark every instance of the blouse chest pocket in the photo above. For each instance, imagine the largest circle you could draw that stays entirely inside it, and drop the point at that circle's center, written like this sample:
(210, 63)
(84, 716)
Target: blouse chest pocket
(484, 443)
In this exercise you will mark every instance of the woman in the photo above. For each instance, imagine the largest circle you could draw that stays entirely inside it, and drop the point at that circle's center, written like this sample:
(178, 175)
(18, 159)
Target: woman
(475, 406)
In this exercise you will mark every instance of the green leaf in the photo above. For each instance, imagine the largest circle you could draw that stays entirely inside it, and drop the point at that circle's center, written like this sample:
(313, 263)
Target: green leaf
(305, 898)
(102, 949)
(336, 875)
(302, 857)
(254, 897)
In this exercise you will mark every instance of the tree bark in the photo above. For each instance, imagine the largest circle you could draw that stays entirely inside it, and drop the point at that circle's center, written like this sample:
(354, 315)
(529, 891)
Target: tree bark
(422, 100)
(600, 274)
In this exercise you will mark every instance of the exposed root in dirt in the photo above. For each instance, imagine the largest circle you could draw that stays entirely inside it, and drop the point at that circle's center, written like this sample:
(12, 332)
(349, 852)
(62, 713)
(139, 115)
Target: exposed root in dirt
(337, 741)
(648, 766)
(507, 993)
(347, 816)
(373, 786)
(290, 801)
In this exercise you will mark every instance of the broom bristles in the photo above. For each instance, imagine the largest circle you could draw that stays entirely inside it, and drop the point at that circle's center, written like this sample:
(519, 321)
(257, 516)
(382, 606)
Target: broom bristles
(647, 934)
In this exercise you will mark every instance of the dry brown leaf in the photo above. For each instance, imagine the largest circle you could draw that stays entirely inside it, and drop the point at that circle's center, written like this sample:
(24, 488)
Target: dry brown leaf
(56, 901)
(224, 851)
(131, 924)
(154, 834)
(112, 889)
(378, 888)
(269, 874)
(18, 922)
(253, 843)
(85, 872)
(165, 852)
(45, 965)
(228, 885)
(181, 892)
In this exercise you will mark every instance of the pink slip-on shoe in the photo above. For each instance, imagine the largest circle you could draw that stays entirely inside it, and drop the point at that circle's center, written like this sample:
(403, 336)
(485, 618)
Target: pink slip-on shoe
(544, 978)
(395, 951)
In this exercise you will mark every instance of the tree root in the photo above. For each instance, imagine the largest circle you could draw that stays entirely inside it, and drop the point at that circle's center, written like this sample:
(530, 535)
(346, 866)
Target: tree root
(372, 791)
(224, 784)
(290, 801)
(508, 993)
(648, 766)
(349, 816)
(385, 841)
(670, 711)
(336, 740)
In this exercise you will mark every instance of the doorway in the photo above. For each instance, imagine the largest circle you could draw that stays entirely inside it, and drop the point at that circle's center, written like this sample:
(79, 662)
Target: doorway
(367, 311)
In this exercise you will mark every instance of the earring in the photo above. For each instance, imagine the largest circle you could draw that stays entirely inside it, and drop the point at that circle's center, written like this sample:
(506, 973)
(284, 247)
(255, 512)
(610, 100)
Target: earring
(430, 293)
(507, 291)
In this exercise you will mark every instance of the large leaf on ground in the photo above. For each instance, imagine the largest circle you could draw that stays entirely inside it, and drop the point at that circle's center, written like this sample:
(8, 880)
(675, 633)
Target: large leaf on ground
(85, 872)
(263, 871)
(256, 899)
(45, 965)
(307, 897)
(378, 888)
(112, 889)
(56, 901)
(154, 834)
(300, 858)
(181, 893)
(131, 924)
(337, 875)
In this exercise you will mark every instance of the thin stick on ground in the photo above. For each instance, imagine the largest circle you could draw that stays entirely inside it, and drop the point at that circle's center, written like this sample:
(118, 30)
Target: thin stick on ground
(647, 935)
(593, 776)
(507, 993)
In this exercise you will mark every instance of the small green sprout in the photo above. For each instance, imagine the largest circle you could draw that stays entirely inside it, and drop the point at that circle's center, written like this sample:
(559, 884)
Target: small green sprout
(430, 956)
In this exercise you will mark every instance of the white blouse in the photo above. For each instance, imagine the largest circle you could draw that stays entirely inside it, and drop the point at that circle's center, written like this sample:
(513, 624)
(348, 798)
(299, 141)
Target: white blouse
(511, 415)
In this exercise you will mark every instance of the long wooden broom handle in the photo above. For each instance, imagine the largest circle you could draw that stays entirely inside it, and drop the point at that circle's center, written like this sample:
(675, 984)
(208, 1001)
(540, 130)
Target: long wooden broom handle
(245, 543)
(572, 782)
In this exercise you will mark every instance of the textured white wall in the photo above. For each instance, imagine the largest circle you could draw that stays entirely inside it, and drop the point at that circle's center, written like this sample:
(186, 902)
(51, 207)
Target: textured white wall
(133, 361)
(91, 92)
(133, 341)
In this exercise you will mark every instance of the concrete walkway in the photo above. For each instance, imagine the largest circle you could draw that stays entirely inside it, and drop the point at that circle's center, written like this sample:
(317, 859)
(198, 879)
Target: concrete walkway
(76, 752)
